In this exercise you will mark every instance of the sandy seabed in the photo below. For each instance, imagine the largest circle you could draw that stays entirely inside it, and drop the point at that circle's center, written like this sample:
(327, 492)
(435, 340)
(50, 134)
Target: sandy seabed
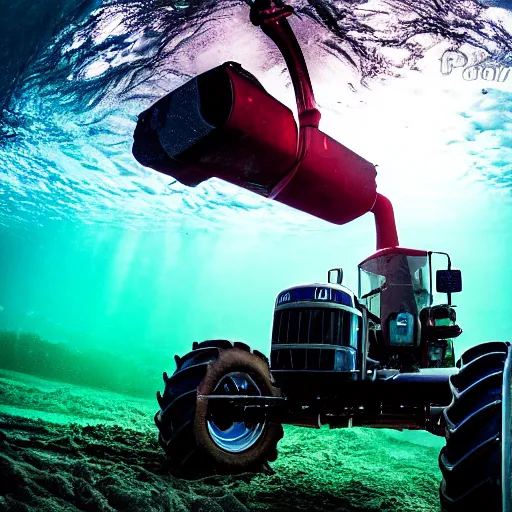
(67, 448)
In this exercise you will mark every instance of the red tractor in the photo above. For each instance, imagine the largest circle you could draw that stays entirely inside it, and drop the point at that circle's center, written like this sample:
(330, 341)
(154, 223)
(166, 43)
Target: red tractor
(383, 358)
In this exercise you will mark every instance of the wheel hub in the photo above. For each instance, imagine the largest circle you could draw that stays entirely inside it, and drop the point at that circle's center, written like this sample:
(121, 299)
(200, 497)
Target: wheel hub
(235, 437)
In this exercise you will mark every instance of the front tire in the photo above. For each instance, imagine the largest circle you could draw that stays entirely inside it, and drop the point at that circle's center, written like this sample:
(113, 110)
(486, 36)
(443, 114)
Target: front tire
(197, 445)
(475, 462)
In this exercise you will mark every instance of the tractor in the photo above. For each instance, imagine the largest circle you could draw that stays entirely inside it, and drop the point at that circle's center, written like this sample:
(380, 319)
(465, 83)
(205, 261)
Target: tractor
(381, 358)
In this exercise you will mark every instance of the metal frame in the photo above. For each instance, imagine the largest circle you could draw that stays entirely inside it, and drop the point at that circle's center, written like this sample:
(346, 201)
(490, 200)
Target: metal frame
(449, 295)
(393, 400)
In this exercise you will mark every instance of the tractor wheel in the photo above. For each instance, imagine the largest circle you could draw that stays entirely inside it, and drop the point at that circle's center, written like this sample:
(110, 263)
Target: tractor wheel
(198, 446)
(476, 461)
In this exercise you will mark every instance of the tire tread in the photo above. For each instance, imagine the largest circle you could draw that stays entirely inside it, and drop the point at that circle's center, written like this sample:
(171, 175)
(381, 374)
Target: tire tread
(470, 461)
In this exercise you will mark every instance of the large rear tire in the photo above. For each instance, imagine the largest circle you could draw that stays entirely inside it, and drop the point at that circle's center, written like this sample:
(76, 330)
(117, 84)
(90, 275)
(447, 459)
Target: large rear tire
(475, 462)
(196, 445)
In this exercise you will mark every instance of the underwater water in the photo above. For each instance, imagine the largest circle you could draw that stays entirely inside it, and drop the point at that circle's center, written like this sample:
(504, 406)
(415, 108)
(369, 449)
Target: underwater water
(108, 269)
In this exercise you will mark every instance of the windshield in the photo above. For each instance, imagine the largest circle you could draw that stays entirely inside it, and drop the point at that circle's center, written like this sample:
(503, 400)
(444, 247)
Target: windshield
(395, 283)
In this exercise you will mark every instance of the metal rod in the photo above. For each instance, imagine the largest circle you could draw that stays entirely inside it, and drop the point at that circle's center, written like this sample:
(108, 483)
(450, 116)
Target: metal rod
(506, 433)
(272, 21)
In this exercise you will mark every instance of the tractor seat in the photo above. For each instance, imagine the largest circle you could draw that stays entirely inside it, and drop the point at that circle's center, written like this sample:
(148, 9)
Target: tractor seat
(431, 331)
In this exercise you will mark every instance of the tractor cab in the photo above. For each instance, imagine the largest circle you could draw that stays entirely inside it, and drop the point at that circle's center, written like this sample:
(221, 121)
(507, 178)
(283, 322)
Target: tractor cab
(412, 321)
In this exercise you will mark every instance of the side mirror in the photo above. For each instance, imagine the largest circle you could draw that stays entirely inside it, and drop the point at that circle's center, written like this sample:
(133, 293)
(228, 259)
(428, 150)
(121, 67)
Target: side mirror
(335, 276)
(448, 281)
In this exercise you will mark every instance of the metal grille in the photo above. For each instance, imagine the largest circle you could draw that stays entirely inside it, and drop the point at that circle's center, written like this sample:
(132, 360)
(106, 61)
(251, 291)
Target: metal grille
(302, 359)
(312, 325)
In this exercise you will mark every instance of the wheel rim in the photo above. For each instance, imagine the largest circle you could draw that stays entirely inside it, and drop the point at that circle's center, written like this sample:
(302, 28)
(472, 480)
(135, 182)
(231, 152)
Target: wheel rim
(506, 429)
(237, 436)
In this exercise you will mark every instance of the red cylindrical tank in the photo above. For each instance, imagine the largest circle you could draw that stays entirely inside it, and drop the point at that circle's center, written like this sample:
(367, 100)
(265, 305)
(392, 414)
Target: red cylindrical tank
(332, 182)
(220, 124)
(224, 124)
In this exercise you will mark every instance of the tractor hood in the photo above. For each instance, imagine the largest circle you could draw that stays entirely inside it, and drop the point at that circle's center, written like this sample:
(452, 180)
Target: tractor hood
(317, 292)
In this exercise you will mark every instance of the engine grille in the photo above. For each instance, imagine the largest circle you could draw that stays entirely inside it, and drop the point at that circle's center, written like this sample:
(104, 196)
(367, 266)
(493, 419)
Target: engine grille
(302, 359)
(312, 325)
(299, 333)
